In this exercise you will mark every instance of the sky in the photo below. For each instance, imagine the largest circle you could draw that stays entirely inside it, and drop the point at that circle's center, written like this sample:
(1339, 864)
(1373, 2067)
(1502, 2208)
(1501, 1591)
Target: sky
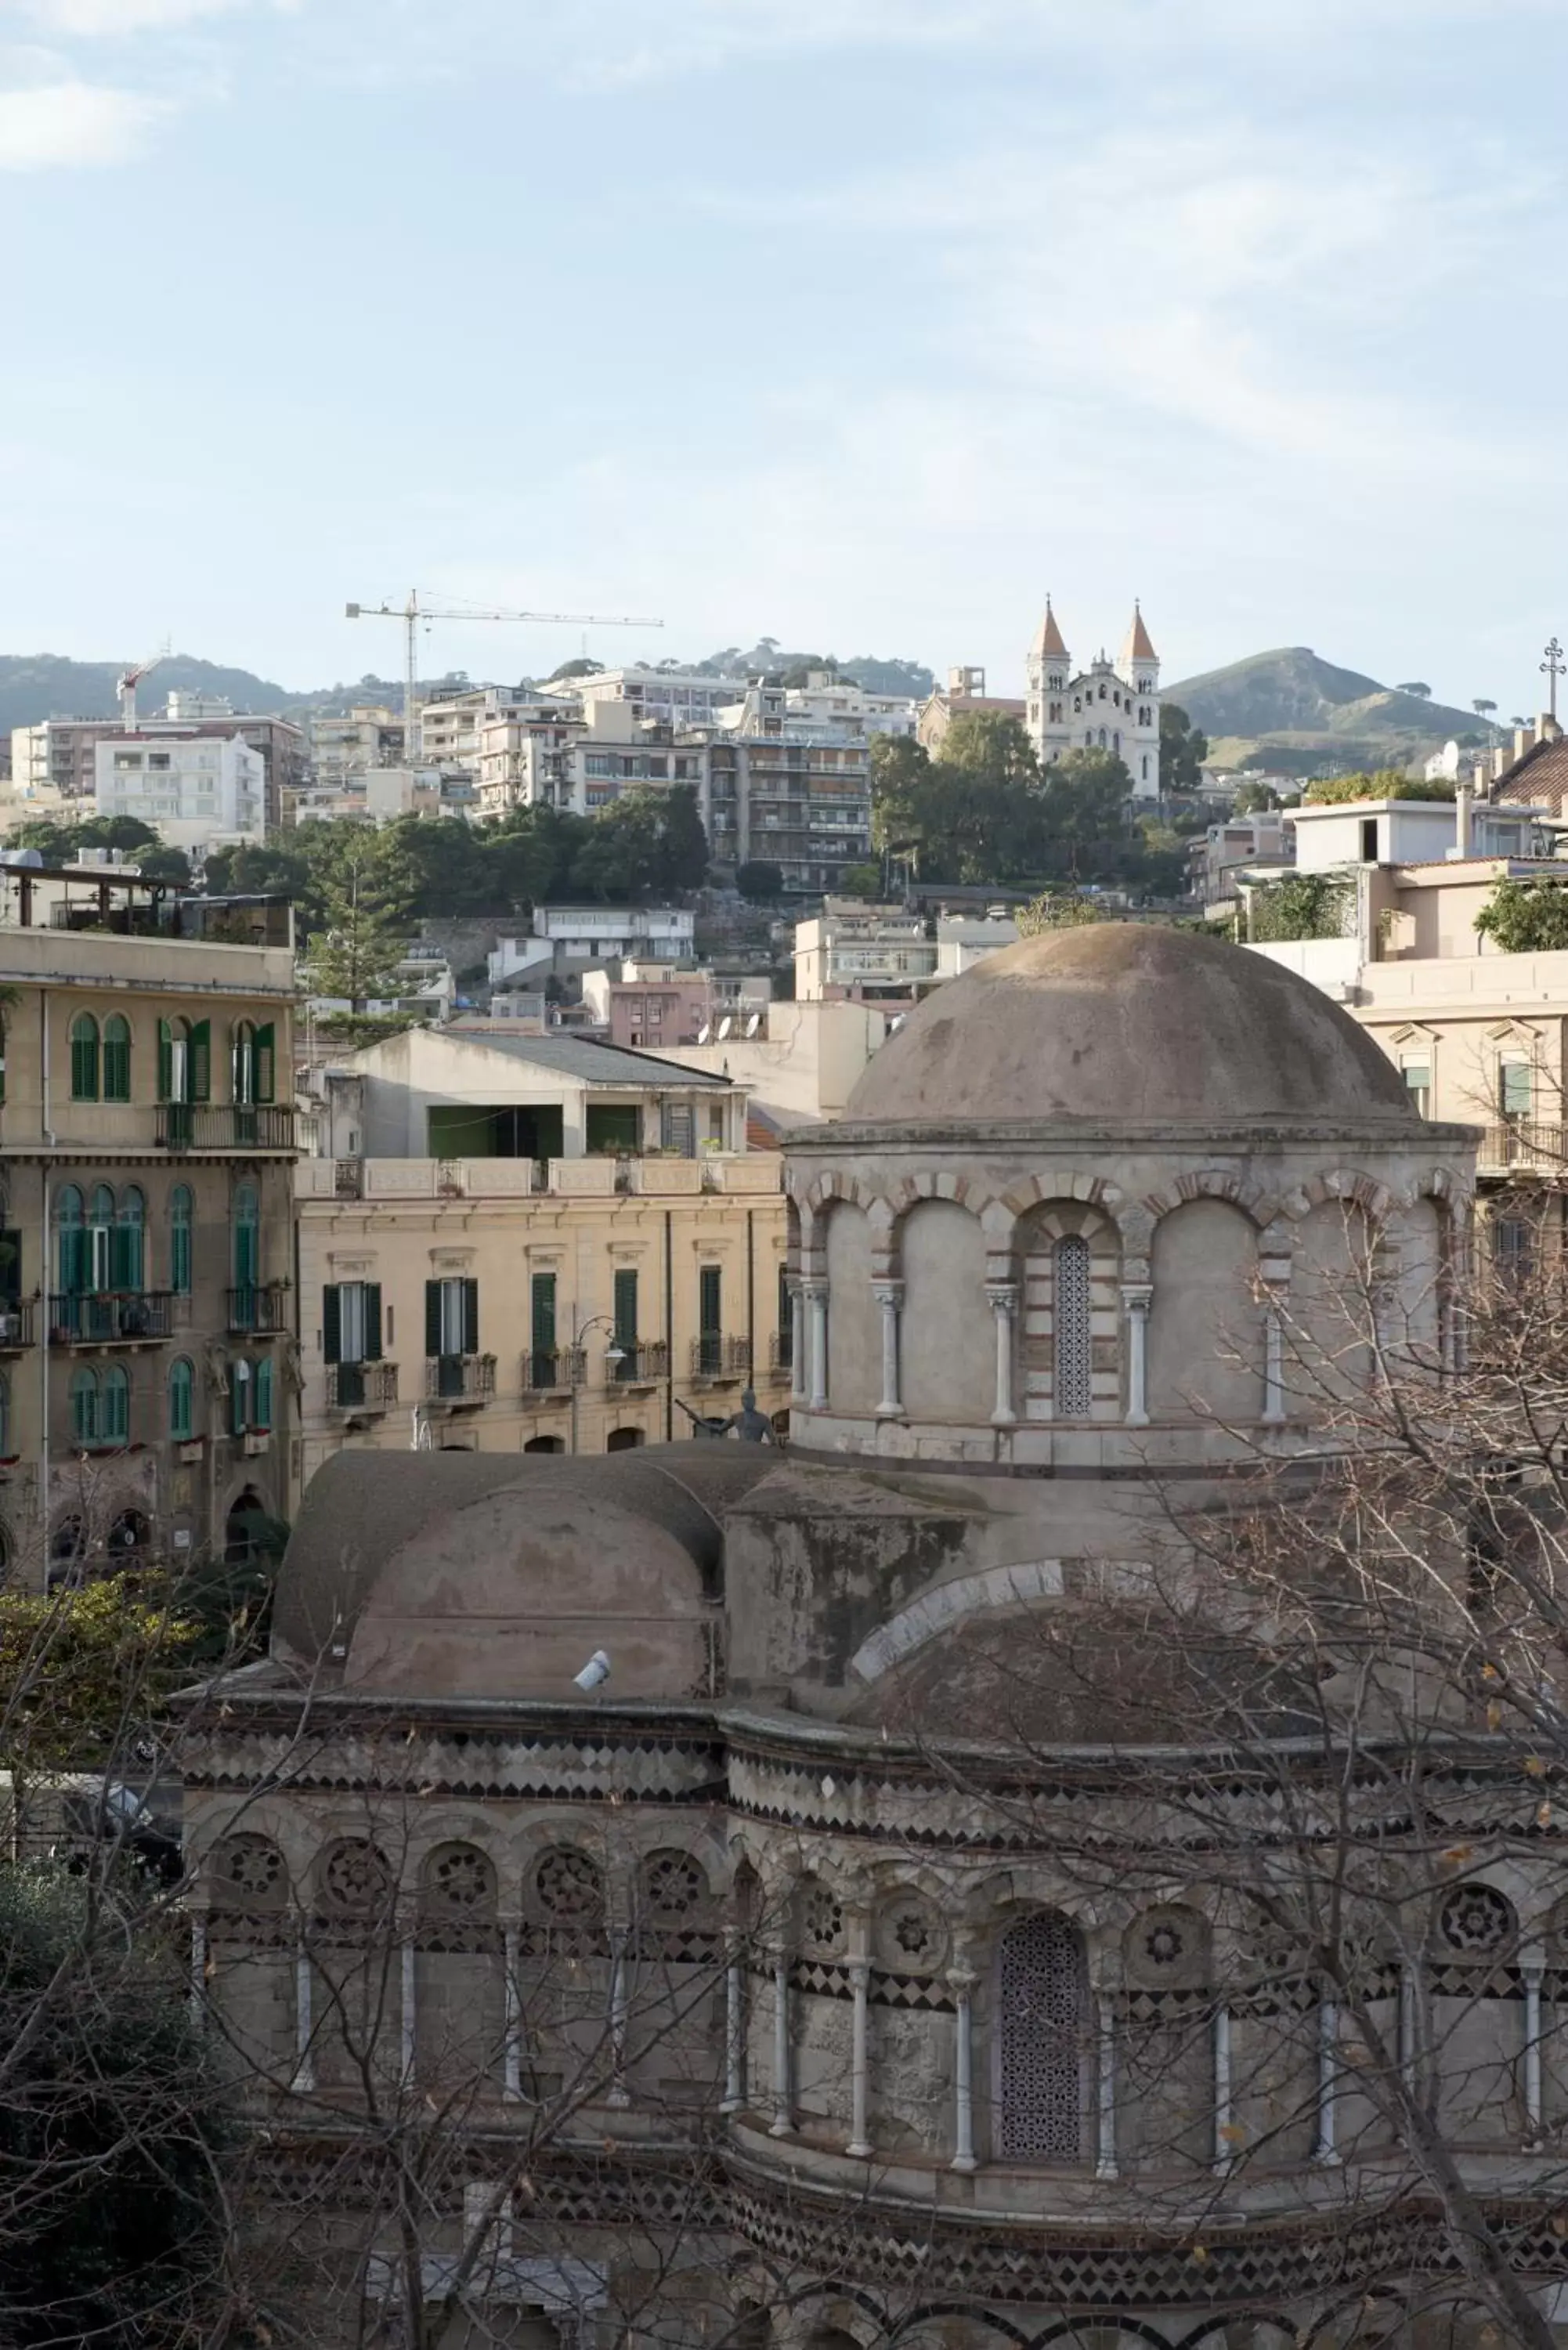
(859, 323)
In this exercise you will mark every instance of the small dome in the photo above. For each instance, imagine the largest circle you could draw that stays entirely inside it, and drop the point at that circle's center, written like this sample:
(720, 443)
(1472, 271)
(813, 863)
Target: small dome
(1119, 1022)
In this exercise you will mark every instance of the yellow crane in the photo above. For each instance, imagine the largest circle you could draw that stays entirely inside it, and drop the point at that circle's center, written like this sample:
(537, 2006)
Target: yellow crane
(413, 612)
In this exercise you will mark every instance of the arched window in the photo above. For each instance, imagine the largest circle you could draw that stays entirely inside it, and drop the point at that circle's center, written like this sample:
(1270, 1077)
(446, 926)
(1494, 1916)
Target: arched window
(99, 1238)
(242, 1065)
(84, 1408)
(182, 1401)
(263, 1386)
(114, 1405)
(1042, 2033)
(174, 1060)
(1070, 1328)
(180, 1225)
(623, 1440)
(116, 1058)
(84, 1057)
(70, 1241)
(130, 1255)
(246, 1872)
(246, 1248)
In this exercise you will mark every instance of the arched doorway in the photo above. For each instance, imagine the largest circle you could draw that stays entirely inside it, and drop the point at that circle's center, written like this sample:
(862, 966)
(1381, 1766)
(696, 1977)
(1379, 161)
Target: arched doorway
(129, 1538)
(544, 1444)
(244, 1530)
(1042, 2040)
(623, 1440)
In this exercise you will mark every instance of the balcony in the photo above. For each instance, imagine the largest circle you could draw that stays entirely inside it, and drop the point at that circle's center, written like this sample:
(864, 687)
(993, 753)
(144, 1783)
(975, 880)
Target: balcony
(18, 1324)
(361, 1386)
(552, 1370)
(1522, 1147)
(260, 1309)
(715, 1356)
(124, 1318)
(460, 1379)
(639, 1366)
(208, 1126)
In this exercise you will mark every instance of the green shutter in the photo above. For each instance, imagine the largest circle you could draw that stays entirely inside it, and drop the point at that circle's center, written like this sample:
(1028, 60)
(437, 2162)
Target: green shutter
(165, 1061)
(265, 1055)
(116, 1059)
(625, 1311)
(542, 1300)
(121, 1272)
(471, 1317)
(264, 1394)
(10, 1267)
(239, 1399)
(84, 1408)
(179, 1400)
(372, 1321)
(84, 1059)
(432, 1318)
(331, 1324)
(710, 1300)
(114, 1422)
(202, 1061)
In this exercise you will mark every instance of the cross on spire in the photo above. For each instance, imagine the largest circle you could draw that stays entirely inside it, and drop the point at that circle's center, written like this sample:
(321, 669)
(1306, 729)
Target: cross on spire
(1554, 666)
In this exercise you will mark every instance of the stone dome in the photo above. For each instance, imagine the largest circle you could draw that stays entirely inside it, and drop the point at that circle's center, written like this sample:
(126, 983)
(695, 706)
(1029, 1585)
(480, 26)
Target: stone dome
(1116, 1024)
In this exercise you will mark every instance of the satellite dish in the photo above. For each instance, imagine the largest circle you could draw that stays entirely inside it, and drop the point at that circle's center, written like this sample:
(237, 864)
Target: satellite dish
(704, 1033)
(753, 1024)
(726, 1028)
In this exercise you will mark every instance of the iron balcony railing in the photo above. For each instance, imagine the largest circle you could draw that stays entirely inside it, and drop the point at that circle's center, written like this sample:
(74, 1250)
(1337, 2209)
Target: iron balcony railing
(552, 1369)
(110, 1317)
(1521, 1143)
(18, 1323)
(259, 1307)
(460, 1379)
(361, 1386)
(638, 1366)
(715, 1356)
(207, 1126)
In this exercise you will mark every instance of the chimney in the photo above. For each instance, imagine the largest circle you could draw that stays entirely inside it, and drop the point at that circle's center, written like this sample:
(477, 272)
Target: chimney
(1462, 847)
(1523, 740)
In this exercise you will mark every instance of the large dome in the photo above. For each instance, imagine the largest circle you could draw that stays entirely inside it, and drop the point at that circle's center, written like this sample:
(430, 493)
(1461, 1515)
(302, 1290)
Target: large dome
(1120, 1022)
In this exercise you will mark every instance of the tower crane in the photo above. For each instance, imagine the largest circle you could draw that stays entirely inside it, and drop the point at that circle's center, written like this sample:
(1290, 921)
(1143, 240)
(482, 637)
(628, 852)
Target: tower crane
(413, 612)
(129, 679)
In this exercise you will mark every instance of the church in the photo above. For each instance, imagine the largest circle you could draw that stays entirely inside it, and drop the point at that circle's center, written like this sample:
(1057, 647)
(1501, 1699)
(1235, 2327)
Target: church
(656, 1898)
(1103, 707)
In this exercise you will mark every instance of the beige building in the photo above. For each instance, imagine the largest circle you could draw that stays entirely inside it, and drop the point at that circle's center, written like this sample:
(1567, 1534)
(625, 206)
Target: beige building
(145, 1363)
(531, 1243)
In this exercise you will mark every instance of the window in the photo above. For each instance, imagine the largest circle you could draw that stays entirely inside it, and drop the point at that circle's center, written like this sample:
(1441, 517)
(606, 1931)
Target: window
(1369, 840)
(84, 1057)
(4, 1418)
(84, 1408)
(116, 1058)
(127, 1251)
(70, 1241)
(452, 1317)
(1417, 1075)
(710, 1318)
(262, 1394)
(1512, 1248)
(240, 1395)
(351, 1322)
(182, 1401)
(114, 1405)
(625, 1315)
(1041, 2018)
(174, 1060)
(1071, 1390)
(1515, 1089)
(99, 1239)
(246, 1237)
(180, 1220)
(542, 1329)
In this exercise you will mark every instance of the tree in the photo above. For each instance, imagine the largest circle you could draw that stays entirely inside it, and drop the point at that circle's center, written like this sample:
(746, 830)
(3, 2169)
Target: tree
(861, 880)
(1385, 783)
(1483, 708)
(568, 670)
(1053, 911)
(1254, 799)
(1525, 917)
(761, 881)
(364, 932)
(81, 1668)
(1183, 748)
(165, 865)
(1417, 686)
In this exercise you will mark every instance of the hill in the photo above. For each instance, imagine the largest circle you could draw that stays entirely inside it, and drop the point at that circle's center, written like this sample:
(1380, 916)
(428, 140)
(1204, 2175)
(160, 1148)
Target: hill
(870, 672)
(1291, 700)
(46, 685)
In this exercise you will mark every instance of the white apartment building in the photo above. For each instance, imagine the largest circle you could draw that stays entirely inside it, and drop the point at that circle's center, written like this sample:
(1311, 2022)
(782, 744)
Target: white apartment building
(843, 702)
(1108, 706)
(681, 697)
(520, 759)
(369, 736)
(197, 791)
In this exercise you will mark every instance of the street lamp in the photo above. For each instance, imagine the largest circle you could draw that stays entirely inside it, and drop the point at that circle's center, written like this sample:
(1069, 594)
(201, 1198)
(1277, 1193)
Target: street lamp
(613, 1353)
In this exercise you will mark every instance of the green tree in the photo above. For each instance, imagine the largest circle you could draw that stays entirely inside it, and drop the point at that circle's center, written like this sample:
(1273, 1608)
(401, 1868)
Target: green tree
(1302, 906)
(683, 842)
(861, 880)
(1086, 795)
(568, 670)
(367, 897)
(79, 1669)
(761, 881)
(1057, 911)
(1382, 784)
(1253, 800)
(1526, 917)
(1183, 748)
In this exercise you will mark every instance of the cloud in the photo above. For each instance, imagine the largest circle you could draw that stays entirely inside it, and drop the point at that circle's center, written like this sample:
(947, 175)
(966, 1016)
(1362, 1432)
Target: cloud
(55, 125)
(81, 19)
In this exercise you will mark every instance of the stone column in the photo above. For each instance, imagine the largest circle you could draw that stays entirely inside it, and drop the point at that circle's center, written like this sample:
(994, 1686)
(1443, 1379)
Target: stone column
(303, 2054)
(1327, 2151)
(1135, 1297)
(889, 1296)
(619, 2095)
(782, 2123)
(734, 2096)
(1532, 1966)
(962, 1982)
(797, 1343)
(816, 1305)
(1223, 2150)
(1274, 1272)
(512, 2029)
(1106, 2087)
(198, 1965)
(1002, 1298)
(860, 2145)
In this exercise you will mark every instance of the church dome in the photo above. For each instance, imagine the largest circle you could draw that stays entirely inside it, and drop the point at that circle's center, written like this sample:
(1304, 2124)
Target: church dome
(1119, 1023)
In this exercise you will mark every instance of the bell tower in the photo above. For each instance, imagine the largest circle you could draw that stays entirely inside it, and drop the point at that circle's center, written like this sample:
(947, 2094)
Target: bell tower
(1049, 670)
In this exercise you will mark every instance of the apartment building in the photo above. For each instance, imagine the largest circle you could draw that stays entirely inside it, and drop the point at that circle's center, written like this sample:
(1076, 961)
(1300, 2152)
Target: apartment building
(537, 1243)
(197, 790)
(369, 735)
(860, 953)
(146, 1398)
(59, 756)
(839, 701)
(794, 792)
(519, 759)
(56, 757)
(678, 697)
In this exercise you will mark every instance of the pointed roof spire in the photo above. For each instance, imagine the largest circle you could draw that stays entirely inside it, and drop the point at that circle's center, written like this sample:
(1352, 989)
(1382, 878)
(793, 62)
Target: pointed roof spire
(1137, 646)
(1048, 636)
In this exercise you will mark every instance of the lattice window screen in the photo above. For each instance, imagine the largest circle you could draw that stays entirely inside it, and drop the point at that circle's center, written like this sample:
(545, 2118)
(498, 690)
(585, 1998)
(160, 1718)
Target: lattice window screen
(1070, 1328)
(1042, 2037)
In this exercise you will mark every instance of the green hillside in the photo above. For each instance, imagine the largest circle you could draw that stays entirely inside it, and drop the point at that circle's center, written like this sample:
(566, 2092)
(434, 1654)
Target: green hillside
(46, 685)
(1291, 699)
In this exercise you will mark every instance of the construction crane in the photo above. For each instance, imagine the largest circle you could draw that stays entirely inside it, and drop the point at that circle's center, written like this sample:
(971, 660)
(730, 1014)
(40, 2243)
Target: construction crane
(412, 613)
(129, 679)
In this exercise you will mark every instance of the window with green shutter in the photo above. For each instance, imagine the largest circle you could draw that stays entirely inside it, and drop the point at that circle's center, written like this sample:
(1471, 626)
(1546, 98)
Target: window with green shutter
(542, 1329)
(70, 1238)
(239, 1395)
(84, 1408)
(182, 1401)
(84, 1057)
(247, 1237)
(179, 1251)
(127, 1251)
(201, 1061)
(264, 1394)
(116, 1058)
(114, 1407)
(625, 1310)
(351, 1322)
(265, 1060)
(710, 1318)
